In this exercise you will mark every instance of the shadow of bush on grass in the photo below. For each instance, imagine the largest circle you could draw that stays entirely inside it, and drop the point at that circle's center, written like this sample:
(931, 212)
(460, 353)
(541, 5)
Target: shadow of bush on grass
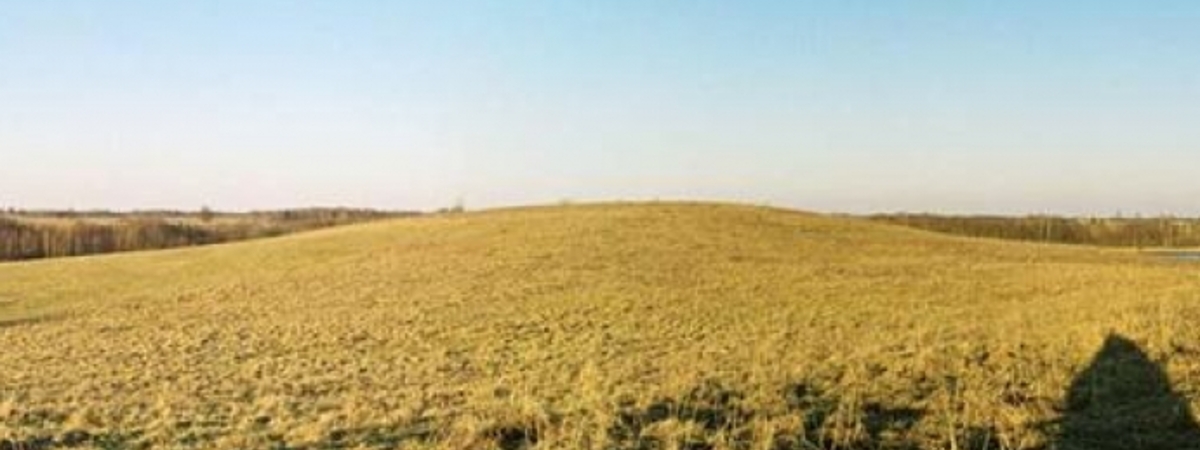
(1122, 400)
(708, 409)
(418, 432)
(706, 417)
(26, 320)
(713, 413)
(76, 439)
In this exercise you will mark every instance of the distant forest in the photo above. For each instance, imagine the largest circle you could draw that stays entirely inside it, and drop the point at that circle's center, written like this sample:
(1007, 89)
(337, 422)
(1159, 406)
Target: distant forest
(26, 235)
(1113, 232)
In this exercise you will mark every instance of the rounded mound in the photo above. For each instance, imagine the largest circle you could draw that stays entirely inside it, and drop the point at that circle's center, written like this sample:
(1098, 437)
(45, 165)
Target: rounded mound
(592, 326)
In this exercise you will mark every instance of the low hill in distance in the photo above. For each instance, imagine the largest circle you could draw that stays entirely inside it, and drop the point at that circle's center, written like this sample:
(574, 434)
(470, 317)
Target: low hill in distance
(611, 326)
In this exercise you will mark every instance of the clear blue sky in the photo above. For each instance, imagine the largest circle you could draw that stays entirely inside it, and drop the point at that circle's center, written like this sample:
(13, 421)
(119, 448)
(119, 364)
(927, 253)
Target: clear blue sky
(987, 106)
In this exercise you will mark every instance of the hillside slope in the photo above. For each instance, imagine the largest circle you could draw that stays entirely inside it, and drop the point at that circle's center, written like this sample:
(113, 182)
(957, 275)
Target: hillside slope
(594, 326)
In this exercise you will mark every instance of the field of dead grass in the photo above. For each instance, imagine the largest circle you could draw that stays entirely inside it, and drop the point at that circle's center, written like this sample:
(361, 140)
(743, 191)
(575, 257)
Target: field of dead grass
(615, 326)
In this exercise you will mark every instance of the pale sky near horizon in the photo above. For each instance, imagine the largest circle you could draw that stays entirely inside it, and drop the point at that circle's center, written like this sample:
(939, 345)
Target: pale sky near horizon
(1073, 107)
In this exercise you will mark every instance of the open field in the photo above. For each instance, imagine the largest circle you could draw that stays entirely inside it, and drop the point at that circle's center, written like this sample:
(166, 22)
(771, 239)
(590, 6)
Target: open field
(620, 326)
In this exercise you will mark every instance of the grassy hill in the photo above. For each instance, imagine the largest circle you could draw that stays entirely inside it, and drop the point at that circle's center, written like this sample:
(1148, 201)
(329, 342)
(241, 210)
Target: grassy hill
(622, 326)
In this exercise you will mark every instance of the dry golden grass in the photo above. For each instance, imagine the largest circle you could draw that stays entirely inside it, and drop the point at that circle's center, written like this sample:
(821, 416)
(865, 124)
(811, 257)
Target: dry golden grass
(622, 326)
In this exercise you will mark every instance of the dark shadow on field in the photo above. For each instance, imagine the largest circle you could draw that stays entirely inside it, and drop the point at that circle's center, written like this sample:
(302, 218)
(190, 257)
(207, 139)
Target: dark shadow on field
(18, 321)
(715, 411)
(1124, 401)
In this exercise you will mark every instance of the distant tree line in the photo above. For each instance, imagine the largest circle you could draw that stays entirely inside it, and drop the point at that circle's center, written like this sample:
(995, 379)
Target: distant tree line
(1116, 232)
(26, 235)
